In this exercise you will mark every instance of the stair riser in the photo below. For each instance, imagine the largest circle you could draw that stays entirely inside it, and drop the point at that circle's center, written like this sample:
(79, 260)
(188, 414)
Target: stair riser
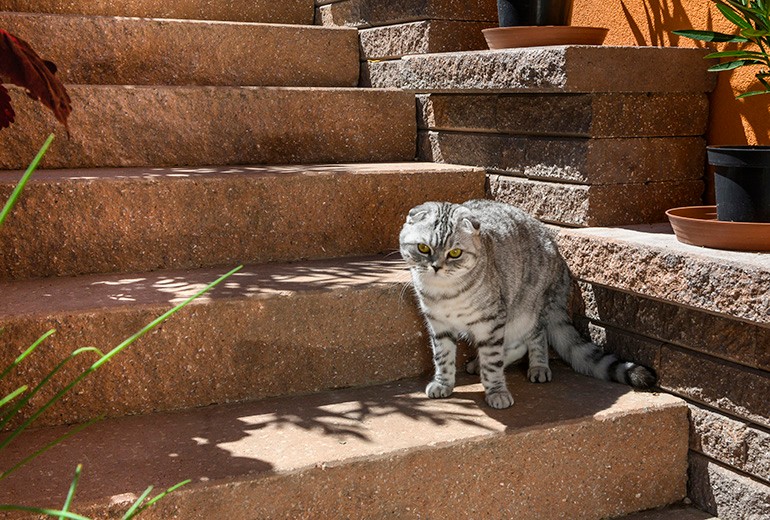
(122, 51)
(176, 126)
(224, 350)
(153, 220)
(618, 466)
(266, 11)
(366, 13)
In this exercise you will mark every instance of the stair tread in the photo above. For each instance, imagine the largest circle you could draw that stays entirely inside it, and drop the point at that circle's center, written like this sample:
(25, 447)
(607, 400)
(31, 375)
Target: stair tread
(247, 442)
(165, 288)
(123, 51)
(675, 512)
(285, 11)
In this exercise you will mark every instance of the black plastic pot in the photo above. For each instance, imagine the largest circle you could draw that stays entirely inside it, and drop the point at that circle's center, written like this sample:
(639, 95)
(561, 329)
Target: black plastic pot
(534, 12)
(741, 182)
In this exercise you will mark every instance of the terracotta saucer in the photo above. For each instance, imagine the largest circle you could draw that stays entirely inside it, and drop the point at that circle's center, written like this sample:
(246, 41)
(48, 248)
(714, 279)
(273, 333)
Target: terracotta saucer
(698, 226)
(540, 35)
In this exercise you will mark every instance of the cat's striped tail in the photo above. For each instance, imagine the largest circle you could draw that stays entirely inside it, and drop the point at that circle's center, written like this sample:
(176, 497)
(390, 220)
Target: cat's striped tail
(589, 359)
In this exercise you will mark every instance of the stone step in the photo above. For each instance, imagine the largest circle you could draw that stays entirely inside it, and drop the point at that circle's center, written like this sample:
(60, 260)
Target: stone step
(368, 13)
(139, 219)
(272, 329)
(104, 50)
(264, 11)
(675, 512)
(116, 126)
(566, 69)
(381, 452)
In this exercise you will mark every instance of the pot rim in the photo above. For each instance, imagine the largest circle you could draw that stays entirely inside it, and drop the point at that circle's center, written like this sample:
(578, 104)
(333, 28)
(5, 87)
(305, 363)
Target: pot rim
(739, 156)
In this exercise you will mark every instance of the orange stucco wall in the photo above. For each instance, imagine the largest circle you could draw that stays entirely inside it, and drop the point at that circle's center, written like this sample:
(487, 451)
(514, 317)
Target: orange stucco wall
(650, 22)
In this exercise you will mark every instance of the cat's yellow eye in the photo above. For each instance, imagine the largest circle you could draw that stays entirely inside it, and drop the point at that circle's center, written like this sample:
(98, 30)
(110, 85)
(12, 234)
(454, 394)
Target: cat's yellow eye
(455, 253)
(423, 248)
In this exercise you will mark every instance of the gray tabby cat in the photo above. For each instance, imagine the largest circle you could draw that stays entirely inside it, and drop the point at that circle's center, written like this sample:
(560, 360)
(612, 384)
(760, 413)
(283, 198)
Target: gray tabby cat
(489, 273)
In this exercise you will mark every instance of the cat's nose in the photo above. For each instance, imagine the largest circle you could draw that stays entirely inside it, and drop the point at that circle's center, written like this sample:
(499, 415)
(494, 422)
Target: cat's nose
(435, 267)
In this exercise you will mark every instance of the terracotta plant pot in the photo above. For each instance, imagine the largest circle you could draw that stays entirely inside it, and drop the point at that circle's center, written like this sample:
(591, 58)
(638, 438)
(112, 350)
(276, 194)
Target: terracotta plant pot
(741, 182)
(698, 226)
(512, 13)
(511, 37)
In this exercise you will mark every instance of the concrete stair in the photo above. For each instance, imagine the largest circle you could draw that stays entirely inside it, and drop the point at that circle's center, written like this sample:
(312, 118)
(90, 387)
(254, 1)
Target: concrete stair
(141, 219)
(101, 50)
(263, 11)
(386, 452)
(182, 164)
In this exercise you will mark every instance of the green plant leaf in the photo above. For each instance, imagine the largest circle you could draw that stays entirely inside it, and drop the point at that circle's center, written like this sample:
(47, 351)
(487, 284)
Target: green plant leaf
(711, 36)
(71, 493)
(134, 508)
(23, 182)
(26, 353)
(753, 93)
(162, 495)
(754, 33)
(730, 65)
(735, 54)
(734, 16)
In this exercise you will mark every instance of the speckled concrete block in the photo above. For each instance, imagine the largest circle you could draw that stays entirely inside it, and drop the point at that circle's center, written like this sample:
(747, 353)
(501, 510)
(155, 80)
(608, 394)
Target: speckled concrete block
(725, 493)
(269, 330)
(573, 160)
(718, 384)
(739, 341)
(586, 115)
(265, 11)
(366, 13)
(422, 37)
(649, 261)
(602, 205)
(176, 126)
(558, 69)
(86, 221)
(125, 51)
(675, 512)
(386, 452)
(734, 443)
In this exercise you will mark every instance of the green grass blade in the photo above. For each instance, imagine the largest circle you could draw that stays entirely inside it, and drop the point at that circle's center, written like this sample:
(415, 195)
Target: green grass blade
(163, 495)
(13, 395)
(752, 93)
(42, 511)
(26, 353)
(133, 510)
(71, 492)
(23, 182)
(8, 416)
(77, 429)
(710, 36)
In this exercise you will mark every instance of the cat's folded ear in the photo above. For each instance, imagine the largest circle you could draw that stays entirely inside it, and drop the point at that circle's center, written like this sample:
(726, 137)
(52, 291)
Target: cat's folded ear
(471, 224)
(417, 213)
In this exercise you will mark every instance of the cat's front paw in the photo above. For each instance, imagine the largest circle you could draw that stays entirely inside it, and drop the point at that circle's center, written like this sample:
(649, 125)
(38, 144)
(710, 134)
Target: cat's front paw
(539, 374)
(472, 367)
(500, 400)
(436, 390)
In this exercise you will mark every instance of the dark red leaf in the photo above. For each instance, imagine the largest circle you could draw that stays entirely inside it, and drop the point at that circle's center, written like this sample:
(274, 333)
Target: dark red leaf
(6, 110)
(20, 65)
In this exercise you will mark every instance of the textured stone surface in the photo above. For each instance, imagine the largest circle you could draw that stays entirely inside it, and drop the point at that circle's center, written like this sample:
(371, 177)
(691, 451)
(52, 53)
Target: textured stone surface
(724, 493)
(574, 160)
(365, 13)
(739, 341)
(376, 453)
(586, 115)
(559, 69)
(724, 386)
(675, 512)
(175, 126)
(266, 11)
(380, 73)
(581, 205)
(124, 51)
(422, 37)
(649, 261)
(734, 443)
(269, 330)
(86, 221)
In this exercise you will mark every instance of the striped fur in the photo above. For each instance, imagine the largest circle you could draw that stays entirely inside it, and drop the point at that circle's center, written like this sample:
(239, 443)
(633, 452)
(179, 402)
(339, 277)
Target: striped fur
(505, 292)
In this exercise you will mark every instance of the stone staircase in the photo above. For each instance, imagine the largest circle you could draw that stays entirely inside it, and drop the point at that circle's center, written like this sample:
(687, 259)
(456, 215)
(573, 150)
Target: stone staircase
(293, 390)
